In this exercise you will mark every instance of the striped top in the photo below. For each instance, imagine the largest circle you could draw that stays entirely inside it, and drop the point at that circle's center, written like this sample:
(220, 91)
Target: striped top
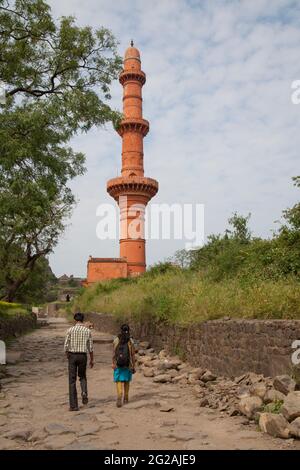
(79, 340)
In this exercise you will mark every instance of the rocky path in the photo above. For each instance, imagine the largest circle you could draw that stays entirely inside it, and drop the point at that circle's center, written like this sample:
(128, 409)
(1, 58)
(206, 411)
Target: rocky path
(34, 406)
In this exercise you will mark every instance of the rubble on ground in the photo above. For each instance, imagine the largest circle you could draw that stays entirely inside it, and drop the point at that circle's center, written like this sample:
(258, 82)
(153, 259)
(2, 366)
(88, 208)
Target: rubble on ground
(273, 403)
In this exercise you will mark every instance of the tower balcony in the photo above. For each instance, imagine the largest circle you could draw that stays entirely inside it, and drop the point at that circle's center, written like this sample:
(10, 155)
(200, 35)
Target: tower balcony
(132, 185)
(133, 125)
(132, 75)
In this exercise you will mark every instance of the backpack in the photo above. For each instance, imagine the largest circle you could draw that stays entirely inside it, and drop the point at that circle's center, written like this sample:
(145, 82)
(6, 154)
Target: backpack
(123, 355)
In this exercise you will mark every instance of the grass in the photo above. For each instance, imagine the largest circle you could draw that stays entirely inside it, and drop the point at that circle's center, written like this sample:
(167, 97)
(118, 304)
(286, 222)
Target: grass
(274, 407)
(8, 310)
(184, 297)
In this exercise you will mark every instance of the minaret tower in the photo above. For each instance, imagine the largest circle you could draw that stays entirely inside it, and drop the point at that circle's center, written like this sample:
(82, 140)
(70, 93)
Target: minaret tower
(132, 190)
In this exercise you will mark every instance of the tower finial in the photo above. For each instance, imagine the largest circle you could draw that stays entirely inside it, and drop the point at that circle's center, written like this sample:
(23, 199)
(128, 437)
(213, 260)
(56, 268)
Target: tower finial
(131, 42)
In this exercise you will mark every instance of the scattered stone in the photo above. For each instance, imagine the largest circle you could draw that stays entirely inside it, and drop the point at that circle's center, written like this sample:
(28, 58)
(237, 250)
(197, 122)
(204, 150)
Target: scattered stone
(162, 378)
(179, 378)
(192, 380)
(59, 442)
(169, 364)
(243, 392)
(83, 446)
(233, 411)
(144, 359)
(166, 407)
(89, 430)
(203, 402)
(239, 379)
(272, 396)
(275, 425)
(208, 376)
(22, 434)
(198, 372)
(182, 366)
(295, 428)
(244, 421)
(148, 372)
(56, 429)
(284, 384)
(82, 418)
(162, 354)
(37, 435)
(291, 406)
(248, 406)
(148, 363)
(258, 389)
(144, 345)
(197, 389)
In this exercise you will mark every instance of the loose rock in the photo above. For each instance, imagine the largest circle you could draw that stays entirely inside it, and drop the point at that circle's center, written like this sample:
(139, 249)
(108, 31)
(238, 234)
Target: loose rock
(291, 406)
(250, 405)
(295, 428)
(208, 376)
(284, 384)
(273, 395)
(275, 425)
(148, 372)
(162, 378)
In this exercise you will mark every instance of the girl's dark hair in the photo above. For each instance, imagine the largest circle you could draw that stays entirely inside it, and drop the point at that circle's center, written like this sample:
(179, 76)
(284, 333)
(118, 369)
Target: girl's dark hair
(124, 336)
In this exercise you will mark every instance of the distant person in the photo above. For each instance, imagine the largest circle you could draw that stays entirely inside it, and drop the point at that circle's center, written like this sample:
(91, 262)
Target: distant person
(78, 343)
(67, 298)
(123, 364)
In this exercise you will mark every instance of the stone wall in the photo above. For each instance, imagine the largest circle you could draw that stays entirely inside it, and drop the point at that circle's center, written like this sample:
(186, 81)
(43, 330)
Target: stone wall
(227, 347)
(16, 325)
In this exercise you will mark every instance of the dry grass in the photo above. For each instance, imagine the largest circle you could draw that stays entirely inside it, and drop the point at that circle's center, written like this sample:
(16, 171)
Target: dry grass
(186, 297)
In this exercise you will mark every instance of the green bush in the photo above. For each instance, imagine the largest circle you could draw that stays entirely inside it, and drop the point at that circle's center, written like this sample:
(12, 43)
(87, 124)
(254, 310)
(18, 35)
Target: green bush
(8, 309)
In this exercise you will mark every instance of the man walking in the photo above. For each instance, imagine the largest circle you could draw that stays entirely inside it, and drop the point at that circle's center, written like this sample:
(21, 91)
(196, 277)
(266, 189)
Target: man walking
(77, 344)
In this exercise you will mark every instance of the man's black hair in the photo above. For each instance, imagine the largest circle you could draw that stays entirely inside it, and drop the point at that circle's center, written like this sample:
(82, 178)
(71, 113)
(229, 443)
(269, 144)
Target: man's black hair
(79, 317)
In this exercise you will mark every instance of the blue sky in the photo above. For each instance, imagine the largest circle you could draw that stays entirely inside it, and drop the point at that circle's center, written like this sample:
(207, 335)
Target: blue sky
(223, 129)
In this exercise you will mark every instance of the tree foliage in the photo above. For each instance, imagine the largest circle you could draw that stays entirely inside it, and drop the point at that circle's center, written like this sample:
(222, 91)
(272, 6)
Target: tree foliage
(236, 253)
(57, 77)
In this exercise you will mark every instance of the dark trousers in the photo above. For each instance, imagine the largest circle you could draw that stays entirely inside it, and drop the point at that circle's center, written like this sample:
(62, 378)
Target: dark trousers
(77, 365)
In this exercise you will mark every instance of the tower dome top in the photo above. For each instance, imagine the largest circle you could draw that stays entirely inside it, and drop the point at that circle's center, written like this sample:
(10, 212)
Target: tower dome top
(132, 52)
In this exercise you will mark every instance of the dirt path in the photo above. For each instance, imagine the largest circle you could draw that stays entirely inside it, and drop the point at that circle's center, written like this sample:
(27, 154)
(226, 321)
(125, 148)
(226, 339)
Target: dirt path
(34, 406)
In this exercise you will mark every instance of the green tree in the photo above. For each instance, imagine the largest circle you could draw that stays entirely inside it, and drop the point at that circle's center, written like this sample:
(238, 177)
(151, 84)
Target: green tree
(240, 231)
(40, 286)
(57, 77)
(182, 258)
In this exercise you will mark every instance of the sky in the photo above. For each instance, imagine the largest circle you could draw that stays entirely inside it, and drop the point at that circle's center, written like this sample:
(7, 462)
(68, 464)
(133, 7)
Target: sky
(223, 129)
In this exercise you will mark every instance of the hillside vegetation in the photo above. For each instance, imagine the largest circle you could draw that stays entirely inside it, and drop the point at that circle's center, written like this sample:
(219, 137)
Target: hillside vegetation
(10, 309)
(234, 274)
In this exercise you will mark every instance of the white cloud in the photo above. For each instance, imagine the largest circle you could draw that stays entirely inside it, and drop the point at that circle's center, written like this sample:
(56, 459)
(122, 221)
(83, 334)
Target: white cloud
(223, 128)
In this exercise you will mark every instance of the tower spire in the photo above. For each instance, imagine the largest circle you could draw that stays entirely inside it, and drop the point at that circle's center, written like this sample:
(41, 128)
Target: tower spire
(132, 190)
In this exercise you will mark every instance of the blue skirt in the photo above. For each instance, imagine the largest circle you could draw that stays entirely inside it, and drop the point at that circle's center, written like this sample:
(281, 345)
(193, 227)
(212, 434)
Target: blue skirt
(122, 374)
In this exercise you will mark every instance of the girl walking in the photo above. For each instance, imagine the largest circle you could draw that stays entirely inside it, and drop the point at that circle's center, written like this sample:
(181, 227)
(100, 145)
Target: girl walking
(123, 364)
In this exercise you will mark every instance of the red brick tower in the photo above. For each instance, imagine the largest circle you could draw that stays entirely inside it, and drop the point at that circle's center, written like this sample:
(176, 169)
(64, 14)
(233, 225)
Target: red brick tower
(132, 190)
